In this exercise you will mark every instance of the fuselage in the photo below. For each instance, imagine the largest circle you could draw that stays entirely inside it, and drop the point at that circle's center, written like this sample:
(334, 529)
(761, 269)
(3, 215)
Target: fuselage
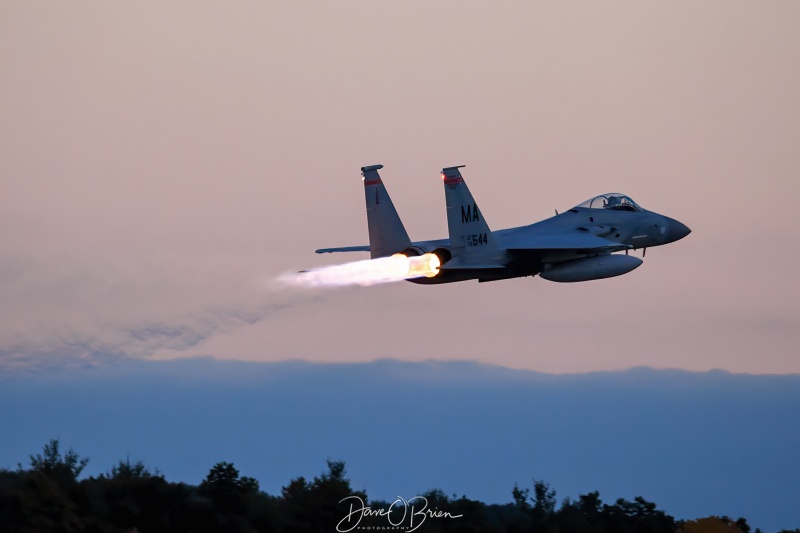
(635, 229)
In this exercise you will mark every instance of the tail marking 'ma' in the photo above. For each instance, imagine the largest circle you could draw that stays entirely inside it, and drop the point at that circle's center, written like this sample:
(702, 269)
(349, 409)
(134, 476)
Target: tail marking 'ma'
(470, 236)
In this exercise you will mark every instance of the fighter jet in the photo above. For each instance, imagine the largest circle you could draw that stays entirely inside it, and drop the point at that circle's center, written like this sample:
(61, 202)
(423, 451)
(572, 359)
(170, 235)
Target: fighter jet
(581, 244)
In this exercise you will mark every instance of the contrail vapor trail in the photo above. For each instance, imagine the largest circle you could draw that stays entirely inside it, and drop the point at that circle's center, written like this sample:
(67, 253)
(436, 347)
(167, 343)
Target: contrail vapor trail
(365, 273)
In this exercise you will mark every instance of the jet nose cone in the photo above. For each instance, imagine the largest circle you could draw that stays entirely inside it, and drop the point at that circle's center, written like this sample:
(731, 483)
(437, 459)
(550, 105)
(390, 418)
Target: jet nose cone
(676, 230)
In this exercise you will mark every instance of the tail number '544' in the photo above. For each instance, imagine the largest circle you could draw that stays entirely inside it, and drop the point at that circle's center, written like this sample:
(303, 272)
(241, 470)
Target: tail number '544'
(476, 239)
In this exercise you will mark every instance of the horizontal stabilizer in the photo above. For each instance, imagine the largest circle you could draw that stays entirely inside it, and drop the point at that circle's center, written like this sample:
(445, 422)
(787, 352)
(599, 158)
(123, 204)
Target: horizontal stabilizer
(342, 249)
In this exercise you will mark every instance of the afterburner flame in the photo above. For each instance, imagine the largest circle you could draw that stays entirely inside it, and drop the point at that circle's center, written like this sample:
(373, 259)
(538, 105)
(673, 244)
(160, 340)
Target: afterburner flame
(367, 272)
(426, 265)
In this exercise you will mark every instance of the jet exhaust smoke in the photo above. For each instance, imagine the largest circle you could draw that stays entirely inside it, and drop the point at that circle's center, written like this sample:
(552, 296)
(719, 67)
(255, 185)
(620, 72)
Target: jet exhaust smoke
(364, 273)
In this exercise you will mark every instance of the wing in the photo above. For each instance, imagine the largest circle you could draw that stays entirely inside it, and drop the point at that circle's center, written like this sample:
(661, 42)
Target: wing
(578, 242)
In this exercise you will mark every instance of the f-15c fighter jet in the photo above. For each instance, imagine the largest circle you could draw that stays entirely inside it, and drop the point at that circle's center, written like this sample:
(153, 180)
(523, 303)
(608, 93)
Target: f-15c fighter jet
(580, 244)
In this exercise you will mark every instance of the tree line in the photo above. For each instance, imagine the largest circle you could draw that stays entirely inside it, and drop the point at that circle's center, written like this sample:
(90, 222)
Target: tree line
(48, 496)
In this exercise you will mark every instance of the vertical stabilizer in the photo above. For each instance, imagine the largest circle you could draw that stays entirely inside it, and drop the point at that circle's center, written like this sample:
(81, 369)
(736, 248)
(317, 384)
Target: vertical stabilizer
(471, 240)
(387, 235)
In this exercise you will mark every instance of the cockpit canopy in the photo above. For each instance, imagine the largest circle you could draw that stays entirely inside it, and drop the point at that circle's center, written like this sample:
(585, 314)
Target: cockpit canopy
(612, 200)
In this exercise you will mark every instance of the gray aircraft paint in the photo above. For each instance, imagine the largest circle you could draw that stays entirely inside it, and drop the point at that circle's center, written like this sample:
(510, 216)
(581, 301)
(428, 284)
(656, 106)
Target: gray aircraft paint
(572, 246)
(387, 234)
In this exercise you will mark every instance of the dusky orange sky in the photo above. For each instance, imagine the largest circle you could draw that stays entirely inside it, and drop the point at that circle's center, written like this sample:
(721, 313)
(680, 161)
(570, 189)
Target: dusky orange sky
(162, 162)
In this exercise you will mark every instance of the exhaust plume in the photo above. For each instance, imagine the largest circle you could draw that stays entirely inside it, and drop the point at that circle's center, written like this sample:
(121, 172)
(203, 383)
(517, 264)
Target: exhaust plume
(364, 273)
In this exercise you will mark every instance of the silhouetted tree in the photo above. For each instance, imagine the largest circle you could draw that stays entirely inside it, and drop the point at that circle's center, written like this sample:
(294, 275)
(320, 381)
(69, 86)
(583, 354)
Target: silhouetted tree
(544, 499)
(46, 497)
(222, 477)
(130, 497)
(544, 505)
(50, 462)
(583, 515)
(436, 498)
(590, 504)
(230, 493)
(713, 524)
(127, 470)
(521, 498)
(743, 525)
(315, 505)
(637, 516)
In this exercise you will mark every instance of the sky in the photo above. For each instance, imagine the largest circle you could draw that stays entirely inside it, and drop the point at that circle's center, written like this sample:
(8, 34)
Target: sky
(161, 163)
